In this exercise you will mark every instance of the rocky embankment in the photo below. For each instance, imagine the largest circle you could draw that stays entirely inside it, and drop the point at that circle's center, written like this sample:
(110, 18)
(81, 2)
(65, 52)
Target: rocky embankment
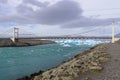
(89, 61)
(4, 42)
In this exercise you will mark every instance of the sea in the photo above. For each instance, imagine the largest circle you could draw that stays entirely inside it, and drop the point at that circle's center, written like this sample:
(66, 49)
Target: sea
(16, 62)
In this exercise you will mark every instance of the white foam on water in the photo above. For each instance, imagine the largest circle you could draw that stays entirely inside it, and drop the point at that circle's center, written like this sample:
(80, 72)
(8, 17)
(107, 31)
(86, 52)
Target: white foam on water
(66, 45)
(70, 42)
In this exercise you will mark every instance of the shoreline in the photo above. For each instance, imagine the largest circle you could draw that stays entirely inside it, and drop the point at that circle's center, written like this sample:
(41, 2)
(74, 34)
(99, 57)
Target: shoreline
(7, 42)
(90, 60)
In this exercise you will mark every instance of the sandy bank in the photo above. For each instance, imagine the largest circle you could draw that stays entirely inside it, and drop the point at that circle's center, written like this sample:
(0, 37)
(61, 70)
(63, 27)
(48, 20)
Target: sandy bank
(23, 42)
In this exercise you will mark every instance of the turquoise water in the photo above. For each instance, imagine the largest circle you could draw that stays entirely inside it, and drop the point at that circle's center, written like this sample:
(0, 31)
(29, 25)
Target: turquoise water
(16, 62)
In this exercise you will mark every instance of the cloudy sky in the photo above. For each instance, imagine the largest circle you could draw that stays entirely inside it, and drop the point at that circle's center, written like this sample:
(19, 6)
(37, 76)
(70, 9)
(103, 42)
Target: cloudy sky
(60, 17)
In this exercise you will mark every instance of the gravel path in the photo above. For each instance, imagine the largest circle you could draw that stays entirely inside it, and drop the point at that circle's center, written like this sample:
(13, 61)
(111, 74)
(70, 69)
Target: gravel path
(111, 69)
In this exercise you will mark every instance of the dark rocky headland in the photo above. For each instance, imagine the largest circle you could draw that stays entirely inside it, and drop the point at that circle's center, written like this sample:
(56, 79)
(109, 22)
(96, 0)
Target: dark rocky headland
(99, 63)
(7, 42)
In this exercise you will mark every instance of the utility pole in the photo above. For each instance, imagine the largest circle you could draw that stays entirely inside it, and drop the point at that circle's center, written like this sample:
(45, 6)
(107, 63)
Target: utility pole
(113, 31)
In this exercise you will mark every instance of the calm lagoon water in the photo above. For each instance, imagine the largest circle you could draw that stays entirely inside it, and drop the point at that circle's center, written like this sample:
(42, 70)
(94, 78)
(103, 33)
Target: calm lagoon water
(16, 62)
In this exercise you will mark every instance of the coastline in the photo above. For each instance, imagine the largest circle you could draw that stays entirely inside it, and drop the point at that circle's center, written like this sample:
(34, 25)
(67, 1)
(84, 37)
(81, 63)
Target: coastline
(91, 60)
(7, 42)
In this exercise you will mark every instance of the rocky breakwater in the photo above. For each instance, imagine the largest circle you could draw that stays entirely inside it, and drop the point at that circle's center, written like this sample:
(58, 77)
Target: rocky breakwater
(89, 61)
(6, 42)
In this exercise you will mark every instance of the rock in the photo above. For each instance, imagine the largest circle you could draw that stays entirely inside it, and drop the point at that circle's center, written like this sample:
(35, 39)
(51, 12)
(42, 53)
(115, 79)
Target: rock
(86, 78)
(91, 54)
(67, 78)
(95, 68)
(102, 59)
(94, 63)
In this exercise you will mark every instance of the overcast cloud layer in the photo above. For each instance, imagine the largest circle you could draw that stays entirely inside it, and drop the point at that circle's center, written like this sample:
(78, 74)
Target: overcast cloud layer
(65, 13)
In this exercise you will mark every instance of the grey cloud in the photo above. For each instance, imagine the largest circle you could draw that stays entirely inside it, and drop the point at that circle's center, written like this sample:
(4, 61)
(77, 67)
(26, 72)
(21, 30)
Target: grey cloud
(65, 13)
(23, 9)
(3, 1)
(35, 2)
(88, 22)
(59, 13)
